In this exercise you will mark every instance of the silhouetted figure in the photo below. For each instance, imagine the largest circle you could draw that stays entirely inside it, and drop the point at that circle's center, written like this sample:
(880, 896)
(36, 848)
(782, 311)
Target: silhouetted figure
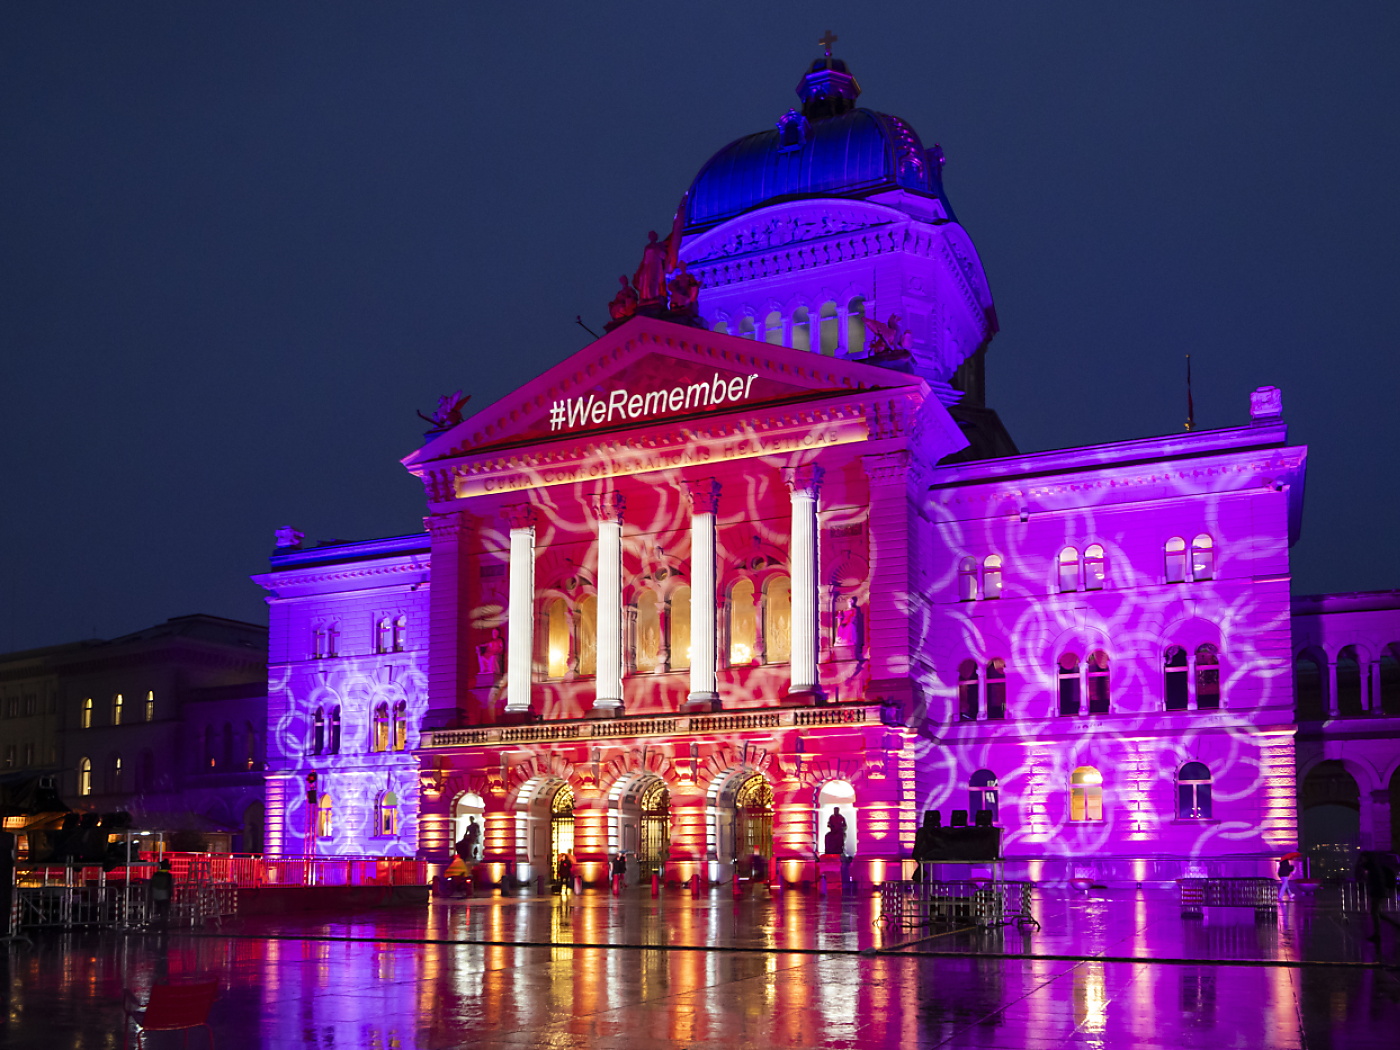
(162, 891)
(835, 841)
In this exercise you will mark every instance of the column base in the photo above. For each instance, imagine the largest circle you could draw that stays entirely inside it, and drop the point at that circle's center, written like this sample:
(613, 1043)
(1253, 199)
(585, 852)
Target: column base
(700, 704)
(606, 712)
(516, 718)
(803, 698)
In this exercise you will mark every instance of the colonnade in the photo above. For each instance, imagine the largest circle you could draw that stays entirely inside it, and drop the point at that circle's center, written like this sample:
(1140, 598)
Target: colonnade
(608, 509)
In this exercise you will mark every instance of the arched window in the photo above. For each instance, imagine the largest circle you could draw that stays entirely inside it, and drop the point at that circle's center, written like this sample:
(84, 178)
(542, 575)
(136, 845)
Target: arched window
(1176, 559)
(968, 699)
(399, 739)
(588, 635)
(117, 704)
(1207, 678)
(991, 576)
(1175, 686)
(325, 817)
(226, 755)
(318, 732)
(116, 774)
(1068, 669)
(1094, 567)
(722, 327)
(400, 639)
(335, 730)
(87, 713)
(1193, 792)
(746, 327)
(1309, 686)
(982, 794)
(211, 756)
(556, 617)
(379, 735)
(777, 619)
(801, 329)
(1086, 794)
(1348, 683)
(855, 327)
(1202, 558)
(680, 629)
(381, 636)
(84, 776)
(829, 331)
(1390, 680)
(996, 689)
(773, 328)
(967, 580)
(1097, 674)
(150, 707)
(387, 810)
(332, 639)
(743, 625)
(1068, 563)
(647, 652)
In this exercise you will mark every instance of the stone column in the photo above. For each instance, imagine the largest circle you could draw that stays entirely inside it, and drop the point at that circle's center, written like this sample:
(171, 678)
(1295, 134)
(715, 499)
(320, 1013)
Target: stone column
(803, 485)
(607, 508)
(520, 627)
(1375, 821)
(1331, 686)
(704, 506)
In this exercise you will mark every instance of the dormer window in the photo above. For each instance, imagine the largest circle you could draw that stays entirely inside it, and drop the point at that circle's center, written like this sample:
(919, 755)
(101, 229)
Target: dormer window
(792, 131)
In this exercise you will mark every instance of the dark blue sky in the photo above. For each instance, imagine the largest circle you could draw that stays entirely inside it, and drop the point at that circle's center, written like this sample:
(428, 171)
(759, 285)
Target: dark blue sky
(243, 242)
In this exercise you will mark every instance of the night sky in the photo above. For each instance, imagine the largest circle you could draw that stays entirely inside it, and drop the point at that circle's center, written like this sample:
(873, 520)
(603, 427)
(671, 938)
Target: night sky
(243, 242)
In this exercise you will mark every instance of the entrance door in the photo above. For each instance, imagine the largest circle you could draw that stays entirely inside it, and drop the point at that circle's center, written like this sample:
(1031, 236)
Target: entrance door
(656, 830)
(753, 827)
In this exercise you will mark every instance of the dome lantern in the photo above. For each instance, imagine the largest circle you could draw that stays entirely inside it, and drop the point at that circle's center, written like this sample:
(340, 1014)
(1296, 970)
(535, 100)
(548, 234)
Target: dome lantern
(828, 89)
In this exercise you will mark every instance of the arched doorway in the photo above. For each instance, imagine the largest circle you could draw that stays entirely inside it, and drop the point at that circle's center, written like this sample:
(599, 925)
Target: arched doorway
(1331, 819)
(639, 824)
(544, 827)
(837, 798)
(469, 809)
(743, 826)
(561, 827)
(656, 830)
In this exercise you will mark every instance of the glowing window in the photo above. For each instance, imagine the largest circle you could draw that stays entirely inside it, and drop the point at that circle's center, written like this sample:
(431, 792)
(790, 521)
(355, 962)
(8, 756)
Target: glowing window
(1097, 682)
(150, 707)
(968, 700)
(996, 689)
(87, 713)
(982, 793)
(84, 776)
(743, 625)
(773, 328)
(379, 736)
(722, 327)
(318, 643)
(680, 629)
(855, 327)
(399, 738)
(325, 817)
(1086, 794)
(557, 638)
(388, 815)
(1094, 568)
(829, 329)
(1193, 792)
(777, 619)
(801, 329)
(381, 636)
(588, 635)
(211, 757)
(1068, 669)
(400, 636)
(1207, 678)
(332, 640)
(1174, 678)
(318, 732)
(1176, 559)
(335, 730)
(1068, 563)
(746, 327)
(1202, 558)
(648, 647)
(991, 576)
(117, 704)
(967, 580)
(116, 774)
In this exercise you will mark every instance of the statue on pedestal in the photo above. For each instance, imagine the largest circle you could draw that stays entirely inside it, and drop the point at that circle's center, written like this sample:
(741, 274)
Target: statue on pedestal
(488, 654)
(650, 278)
(624, 303)
(848, 624)
(685, 290)
(835, 840)
(468, 847)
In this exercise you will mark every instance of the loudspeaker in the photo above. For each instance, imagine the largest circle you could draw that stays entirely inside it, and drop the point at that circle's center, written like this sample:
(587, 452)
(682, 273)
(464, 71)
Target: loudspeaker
(933, 818)
(959, 818)
(984, 818)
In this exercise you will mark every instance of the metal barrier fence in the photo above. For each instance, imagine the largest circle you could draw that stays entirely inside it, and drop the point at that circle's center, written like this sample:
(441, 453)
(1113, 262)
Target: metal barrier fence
(1355, 898)
(253, 871)
(1199, 894)
(975, 902)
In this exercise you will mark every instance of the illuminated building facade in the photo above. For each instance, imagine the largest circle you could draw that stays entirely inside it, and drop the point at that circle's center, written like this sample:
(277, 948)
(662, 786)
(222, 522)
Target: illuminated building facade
(735, 566)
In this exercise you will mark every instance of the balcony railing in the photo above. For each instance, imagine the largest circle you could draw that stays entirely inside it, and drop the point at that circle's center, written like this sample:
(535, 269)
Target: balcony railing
(667, 725)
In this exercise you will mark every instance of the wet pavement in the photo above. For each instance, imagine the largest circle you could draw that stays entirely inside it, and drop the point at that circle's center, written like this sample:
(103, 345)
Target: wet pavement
(1107, 969)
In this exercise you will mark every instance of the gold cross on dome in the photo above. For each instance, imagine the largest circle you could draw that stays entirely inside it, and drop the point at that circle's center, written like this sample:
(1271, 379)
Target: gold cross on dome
(827, 40)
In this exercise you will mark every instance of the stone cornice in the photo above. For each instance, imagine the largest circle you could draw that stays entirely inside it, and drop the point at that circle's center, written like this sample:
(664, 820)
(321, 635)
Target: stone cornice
(382, 573)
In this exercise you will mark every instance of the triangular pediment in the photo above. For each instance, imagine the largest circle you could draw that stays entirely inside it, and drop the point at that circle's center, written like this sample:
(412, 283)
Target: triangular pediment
(650, 371)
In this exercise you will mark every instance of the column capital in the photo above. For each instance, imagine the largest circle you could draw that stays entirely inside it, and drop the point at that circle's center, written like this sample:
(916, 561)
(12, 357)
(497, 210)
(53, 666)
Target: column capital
(805, 480)
(608, 506)
(519, 515)
(445, 526)
(703, 495)
(886, 466)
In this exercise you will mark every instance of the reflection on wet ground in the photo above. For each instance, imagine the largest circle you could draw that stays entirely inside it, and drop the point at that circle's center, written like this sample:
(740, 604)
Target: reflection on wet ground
(1114, 968)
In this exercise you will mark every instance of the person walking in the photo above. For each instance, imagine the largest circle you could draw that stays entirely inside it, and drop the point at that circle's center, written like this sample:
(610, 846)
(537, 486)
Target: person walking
(1285, 873)
(566, 874)
(1378, 881)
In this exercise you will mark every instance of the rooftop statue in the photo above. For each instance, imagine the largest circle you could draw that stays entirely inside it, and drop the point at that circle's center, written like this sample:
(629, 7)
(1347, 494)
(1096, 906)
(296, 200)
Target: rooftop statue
(650, 278)
(449, 411)
(685, 291)
(623, 305)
